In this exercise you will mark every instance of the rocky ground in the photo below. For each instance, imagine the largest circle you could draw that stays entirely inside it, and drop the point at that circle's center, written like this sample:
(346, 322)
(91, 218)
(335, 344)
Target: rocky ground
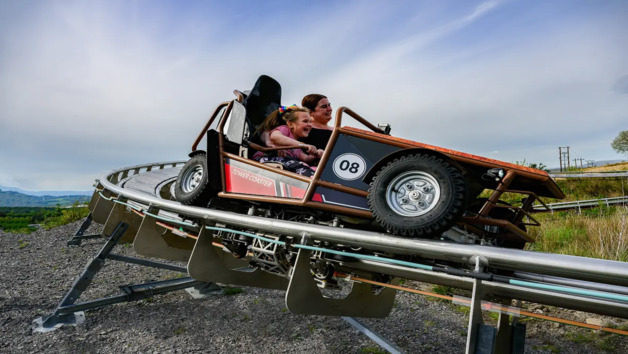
(37, 270)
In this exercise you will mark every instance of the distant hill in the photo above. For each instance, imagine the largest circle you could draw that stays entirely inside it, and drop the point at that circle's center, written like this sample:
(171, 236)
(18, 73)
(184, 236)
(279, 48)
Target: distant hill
(620, 166)
(45, 193)
(16, 199)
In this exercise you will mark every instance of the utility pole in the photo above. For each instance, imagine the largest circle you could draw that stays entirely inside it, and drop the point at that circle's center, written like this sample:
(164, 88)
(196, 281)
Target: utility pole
(580, 159)
(563, 158)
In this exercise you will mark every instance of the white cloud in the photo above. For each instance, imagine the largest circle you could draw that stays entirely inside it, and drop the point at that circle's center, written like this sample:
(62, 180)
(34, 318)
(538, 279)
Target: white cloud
(89, 87)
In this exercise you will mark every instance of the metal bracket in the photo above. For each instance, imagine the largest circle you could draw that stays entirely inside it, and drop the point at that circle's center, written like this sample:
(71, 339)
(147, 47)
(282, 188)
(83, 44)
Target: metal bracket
(479, 338)
(210, 264)
(151, 241)
(510, 336)
(101, 206)
(204, 291)
(79, 235)
(484, 339)
(118, 214)
(304, 297)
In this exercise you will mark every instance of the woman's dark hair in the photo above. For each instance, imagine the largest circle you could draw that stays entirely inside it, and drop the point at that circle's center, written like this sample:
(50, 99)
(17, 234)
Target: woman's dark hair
(310, 101)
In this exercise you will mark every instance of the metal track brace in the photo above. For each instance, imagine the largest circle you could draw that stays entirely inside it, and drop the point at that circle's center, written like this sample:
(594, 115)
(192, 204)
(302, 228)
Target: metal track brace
(484, 339)
(376, 337)
(69, 312)
(79, 236)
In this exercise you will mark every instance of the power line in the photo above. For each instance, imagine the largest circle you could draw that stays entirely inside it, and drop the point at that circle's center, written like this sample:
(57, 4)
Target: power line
(564, 158)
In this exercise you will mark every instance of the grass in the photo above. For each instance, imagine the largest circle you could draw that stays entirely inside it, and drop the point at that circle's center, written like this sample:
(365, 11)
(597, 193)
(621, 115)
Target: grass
(600, 340)
(578, 337)
(24, 220)
(546, 347)
(592, 188)
(598, 233)
(62, 216)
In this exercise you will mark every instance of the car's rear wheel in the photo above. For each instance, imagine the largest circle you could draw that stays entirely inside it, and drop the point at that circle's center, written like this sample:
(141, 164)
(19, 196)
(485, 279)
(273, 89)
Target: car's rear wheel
(417, 195)
(192, 185)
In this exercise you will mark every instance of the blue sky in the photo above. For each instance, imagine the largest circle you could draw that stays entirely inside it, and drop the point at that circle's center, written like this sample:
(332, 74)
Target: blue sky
(91, 86)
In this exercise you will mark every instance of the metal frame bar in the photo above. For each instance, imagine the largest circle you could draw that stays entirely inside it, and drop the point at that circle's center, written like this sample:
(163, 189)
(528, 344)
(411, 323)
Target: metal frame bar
(581, 204)
(376, 337)
(68, 310)
(79, 235)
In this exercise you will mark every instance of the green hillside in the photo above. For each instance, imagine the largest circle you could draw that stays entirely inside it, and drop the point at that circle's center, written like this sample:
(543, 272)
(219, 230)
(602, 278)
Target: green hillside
(15, 199)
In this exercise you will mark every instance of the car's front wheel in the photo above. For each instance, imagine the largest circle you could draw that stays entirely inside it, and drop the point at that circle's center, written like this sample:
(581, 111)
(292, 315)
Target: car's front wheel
(417, 195)
(192, 185)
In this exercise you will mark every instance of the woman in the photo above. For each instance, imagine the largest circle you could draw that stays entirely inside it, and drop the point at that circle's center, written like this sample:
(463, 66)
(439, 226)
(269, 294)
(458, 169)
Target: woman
(282, 128)
(320, 111)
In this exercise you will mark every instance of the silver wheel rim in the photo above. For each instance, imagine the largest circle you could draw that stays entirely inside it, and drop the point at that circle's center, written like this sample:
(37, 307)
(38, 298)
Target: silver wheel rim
(192, 178)
(413, 193)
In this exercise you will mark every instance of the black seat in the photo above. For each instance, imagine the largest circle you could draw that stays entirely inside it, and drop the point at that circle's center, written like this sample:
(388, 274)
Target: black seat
(264, 98)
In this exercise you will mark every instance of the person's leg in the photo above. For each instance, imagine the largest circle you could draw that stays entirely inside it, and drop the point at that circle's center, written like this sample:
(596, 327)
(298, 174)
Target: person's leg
(299, 167)
(289, 164)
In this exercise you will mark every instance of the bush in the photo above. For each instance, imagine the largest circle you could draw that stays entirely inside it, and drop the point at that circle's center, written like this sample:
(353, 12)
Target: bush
(62, 216)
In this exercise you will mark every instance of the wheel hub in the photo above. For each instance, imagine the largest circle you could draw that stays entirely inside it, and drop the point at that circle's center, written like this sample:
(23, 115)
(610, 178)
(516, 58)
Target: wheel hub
(192, 179)
(413, 193)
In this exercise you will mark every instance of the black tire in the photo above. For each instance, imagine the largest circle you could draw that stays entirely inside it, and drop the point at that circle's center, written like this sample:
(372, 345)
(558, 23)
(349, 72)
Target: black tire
(434, 191)
(192, 185)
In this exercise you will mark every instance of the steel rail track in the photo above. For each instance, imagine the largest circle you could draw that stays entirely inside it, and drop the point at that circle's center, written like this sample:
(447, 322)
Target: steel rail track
(581, 268)
(141, 198)
(590, 175)
(581, 204)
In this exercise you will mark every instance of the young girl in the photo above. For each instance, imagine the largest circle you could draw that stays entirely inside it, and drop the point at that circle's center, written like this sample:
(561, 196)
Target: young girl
(282, 128)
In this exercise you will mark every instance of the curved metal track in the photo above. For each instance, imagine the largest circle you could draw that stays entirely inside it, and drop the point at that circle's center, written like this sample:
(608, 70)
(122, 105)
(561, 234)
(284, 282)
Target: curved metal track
(147, 188)
(582, 204)
(590, 175)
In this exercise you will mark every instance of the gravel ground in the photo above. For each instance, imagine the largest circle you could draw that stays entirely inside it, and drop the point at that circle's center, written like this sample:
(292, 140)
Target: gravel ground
(38, 269)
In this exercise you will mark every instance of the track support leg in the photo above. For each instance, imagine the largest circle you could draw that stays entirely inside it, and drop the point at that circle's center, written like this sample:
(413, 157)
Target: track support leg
(48, 323)
(69, 312)
(383, 342)
(484, 339)
(480, 337)
(510, 336)
(79, 236)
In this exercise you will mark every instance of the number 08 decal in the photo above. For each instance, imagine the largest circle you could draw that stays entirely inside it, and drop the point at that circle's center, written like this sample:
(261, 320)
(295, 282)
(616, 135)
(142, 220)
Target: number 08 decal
(349, 166)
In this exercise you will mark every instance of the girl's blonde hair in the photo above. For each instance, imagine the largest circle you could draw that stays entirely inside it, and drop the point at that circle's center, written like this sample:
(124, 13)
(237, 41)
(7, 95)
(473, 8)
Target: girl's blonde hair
(281, 116)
